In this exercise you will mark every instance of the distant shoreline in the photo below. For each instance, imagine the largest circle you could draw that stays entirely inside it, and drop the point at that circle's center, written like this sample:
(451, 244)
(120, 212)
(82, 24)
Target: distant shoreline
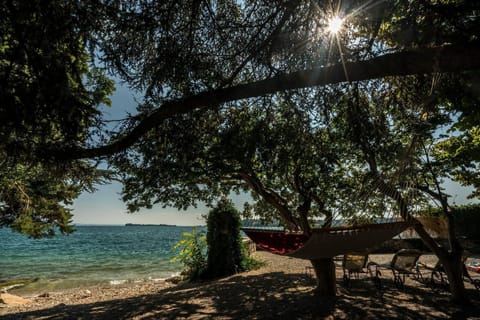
(136, 224)
(149, 225)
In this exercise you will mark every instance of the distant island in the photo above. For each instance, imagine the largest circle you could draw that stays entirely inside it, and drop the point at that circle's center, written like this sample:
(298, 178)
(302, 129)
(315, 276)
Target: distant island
(148, 225)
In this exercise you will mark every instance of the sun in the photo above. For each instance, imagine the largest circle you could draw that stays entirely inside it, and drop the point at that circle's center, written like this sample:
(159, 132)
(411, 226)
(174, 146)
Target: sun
(334, 25)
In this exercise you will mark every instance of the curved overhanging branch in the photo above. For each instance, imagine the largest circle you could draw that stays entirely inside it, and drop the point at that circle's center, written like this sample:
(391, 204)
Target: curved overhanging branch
(448, 58)
(272, 198)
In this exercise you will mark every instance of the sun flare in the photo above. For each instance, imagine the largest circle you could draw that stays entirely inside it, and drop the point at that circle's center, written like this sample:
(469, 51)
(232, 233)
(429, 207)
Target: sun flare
(334, 25)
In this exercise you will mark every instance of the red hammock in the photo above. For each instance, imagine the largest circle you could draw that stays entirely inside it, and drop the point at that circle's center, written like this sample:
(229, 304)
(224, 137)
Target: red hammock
(325, 242)
(277, 241)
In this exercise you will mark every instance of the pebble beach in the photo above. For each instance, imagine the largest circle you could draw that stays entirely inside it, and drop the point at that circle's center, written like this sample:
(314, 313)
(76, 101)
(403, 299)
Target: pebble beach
(281, 289)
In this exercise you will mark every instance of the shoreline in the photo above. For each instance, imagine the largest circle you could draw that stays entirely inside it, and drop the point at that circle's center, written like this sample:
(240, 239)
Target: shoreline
(117, 285)
(280, 289)
(32, 288)
(25, 289)
(84, 295)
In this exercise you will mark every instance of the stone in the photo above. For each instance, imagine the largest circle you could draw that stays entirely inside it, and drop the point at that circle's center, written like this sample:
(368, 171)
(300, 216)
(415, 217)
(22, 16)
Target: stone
(13, 300)
(174, 280)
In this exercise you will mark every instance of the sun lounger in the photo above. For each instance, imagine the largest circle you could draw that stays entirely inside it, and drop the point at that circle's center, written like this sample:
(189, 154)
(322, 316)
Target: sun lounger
(403, 263)
(438, 276)
(353, 264)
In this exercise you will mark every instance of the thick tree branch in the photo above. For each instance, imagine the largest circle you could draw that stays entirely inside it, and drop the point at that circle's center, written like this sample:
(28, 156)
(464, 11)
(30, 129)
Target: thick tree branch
(272, 198)
(306, 201)
(449, 58)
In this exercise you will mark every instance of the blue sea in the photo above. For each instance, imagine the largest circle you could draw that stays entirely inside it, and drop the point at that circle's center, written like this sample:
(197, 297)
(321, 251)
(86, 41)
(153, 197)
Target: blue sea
(92, 255)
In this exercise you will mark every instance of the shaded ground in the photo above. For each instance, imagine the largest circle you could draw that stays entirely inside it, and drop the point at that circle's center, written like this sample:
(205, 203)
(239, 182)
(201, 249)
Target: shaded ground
(280, 290)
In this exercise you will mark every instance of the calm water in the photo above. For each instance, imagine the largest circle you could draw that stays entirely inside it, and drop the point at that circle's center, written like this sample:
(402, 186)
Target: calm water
(91, 255)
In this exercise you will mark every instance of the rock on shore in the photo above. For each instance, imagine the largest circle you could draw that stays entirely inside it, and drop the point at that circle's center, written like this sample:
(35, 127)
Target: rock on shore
(12, 300)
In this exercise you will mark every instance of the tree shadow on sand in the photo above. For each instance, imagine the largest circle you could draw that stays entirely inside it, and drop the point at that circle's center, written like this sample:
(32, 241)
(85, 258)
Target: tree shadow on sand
(267, 296)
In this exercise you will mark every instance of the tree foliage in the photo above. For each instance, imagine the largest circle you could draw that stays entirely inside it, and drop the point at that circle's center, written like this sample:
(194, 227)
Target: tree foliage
(223, 110)
(190, 54)
(191, 252)
(461, 152)
(285, 157)
(50, 97)
(393, 137)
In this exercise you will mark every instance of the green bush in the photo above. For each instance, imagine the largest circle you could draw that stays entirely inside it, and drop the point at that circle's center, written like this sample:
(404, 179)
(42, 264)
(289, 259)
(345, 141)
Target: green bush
(467, 219)
(223, 241)
(249, 263)
(191, 252)
(221, 252)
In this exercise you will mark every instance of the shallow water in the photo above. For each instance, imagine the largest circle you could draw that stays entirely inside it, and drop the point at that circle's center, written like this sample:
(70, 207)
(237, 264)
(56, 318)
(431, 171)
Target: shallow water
(92, 255)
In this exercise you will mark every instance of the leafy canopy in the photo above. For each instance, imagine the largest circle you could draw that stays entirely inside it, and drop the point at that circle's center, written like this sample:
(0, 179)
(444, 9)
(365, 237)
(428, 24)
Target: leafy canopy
(177, 52)
(50, 97)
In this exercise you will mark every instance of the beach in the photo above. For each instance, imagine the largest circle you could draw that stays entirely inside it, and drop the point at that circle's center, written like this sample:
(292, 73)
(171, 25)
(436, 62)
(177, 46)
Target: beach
(281, 289)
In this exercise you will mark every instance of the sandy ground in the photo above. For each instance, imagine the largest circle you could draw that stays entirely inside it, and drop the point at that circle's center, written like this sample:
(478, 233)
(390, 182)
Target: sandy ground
(282, 289)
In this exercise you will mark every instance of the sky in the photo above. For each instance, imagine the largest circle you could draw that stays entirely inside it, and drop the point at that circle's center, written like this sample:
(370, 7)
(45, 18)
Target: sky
(105, 207)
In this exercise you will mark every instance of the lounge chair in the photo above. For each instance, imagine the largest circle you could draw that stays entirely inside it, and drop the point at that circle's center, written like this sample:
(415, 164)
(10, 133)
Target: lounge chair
(353, 264)
(438, 276)
(403, 263)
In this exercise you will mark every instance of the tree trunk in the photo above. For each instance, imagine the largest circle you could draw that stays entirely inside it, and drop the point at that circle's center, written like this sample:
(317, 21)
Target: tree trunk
(451, 256)
(452, 265)
(450, 259)
(454, 270)
(326, 279)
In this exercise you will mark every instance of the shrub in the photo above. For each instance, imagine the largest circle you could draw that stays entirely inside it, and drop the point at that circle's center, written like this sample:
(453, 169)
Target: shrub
(191, 252)
(249, 263)
(221, 252)
(467, 219)
(223, 241)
